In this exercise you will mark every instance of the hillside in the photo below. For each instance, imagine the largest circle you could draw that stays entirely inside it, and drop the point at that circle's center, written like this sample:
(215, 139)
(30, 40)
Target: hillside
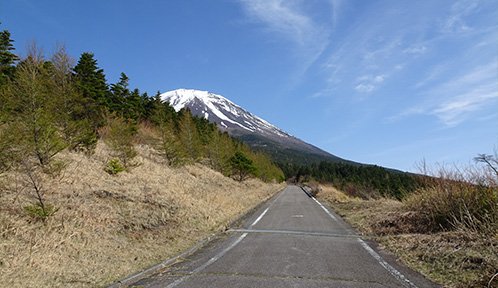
(98, 180)
(249, 128)
(106, 227)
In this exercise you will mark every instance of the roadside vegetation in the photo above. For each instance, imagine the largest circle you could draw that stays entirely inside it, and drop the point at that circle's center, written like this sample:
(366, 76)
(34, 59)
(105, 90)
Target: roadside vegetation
(99, 180)
(447, 228)
(363, 181)
(52, 105)
(100, 227)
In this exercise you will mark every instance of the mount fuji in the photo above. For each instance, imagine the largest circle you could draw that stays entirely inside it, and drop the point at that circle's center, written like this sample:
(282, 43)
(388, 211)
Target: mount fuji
(247, 127)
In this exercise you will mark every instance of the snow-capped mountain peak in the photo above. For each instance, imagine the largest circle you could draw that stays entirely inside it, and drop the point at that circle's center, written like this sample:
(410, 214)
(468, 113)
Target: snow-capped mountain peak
(241, 124)
(216, 108)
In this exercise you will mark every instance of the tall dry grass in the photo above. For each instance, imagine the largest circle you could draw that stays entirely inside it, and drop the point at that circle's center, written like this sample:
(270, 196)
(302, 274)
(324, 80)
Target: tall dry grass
(458, 257)
(458, 198)
(107, 227)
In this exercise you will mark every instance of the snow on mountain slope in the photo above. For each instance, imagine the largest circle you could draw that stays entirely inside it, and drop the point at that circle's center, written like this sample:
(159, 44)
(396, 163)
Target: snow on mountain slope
(242, 124)
(220, 110)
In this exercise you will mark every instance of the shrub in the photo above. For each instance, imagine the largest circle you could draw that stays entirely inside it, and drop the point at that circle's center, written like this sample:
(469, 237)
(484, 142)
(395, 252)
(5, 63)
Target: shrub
(114, 166)
(120, 137)
(449, 204)
(39, 212)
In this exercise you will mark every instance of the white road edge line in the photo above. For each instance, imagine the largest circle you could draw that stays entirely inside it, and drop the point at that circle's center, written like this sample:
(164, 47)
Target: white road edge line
(267, 208)
(400, 277)
(389, 268)
(260, 216)
(325, 209)
(209, 262)
(219, 255)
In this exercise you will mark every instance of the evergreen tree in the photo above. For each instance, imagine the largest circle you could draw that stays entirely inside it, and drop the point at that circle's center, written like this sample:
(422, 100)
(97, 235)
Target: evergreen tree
(70, 105)
(91, 83)
(119, 95)
(134, 106)
(7, 58)
(160, 112)
(242, 166)
(147, 106)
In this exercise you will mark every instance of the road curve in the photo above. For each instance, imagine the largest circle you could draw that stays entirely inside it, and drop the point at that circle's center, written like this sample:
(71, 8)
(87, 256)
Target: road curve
(292, 241)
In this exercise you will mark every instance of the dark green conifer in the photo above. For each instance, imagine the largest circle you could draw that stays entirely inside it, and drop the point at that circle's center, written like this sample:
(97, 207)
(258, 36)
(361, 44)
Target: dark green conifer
(91, 83)
(7, 58)
(242, 167)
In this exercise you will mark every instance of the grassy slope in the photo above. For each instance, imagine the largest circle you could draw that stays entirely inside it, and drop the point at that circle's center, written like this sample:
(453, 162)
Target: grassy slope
(454, 259)
(110, 226)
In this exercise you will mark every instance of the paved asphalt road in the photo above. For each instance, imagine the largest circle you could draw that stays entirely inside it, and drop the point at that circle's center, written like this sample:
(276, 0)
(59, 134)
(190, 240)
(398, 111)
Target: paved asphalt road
(291, 241)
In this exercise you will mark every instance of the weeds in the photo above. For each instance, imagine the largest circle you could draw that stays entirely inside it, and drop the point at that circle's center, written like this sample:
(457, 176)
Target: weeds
(459, 199)
(39, 212)
(108, 227)
(114, 166)
(120, 135)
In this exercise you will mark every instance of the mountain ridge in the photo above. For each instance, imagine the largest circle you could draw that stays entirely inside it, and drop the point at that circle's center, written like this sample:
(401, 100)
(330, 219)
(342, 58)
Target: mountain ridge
(247, 127)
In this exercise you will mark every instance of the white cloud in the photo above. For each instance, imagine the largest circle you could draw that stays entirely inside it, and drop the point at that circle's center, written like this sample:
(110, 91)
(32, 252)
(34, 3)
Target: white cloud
(336, 6)
(434, 73)
(368, 83)
(364, 88)
(287, 18)
(379, 79)
(456, 22)
(280, 18)
(459, 98)
(456, 110)
(415, 50)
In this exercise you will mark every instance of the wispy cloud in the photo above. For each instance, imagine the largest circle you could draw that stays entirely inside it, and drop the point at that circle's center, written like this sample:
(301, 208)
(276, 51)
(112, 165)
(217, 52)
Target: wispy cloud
(419, 49)
(460, 97)
(455, 22)
(368, 83)
(281, 18)
(288, 19)
(478, 89)
(336, 7)
(433, 74)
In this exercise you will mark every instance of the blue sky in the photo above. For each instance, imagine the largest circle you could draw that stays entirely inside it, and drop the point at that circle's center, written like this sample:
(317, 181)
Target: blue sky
(382, 82)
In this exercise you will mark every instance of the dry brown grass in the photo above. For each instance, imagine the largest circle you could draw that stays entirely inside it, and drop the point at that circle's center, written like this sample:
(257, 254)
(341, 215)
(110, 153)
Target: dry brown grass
(458, 258)
(107, 227)
(455, 259)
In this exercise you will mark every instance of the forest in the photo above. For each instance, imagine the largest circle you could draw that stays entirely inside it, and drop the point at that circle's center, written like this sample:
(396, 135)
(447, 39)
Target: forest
(360, 180)
(49, 105)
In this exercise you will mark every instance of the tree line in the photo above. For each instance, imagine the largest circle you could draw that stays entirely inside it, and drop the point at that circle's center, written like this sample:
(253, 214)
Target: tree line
(364, 181)
(49, 105)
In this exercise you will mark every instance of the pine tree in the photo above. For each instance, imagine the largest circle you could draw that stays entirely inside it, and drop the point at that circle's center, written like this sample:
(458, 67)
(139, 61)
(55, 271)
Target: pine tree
(119, 95)
(7, 58)
(160, 112)
(242, 167)
(91, 83)
(70, 105)
(134, 106)
(90, 79)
